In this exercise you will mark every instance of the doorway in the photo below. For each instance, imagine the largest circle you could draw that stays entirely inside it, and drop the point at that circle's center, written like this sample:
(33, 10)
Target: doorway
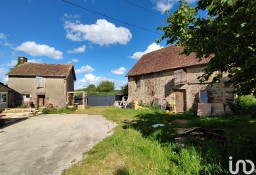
(40, 100)
(180, 100)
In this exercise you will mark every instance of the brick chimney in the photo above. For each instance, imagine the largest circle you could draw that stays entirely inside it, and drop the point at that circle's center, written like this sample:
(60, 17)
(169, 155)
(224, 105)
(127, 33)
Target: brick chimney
(22, 60)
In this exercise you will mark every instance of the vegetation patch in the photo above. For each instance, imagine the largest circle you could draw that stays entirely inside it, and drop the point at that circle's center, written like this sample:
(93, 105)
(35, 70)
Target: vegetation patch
(138, 148)
(245, 105)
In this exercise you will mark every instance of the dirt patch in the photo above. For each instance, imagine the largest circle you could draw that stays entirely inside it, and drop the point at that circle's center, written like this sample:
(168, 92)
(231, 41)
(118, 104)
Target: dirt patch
(180, 122)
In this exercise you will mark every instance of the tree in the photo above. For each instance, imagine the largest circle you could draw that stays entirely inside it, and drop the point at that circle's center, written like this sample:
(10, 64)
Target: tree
(124, 90)
(91, 87)
(106, 86)
(223, 30)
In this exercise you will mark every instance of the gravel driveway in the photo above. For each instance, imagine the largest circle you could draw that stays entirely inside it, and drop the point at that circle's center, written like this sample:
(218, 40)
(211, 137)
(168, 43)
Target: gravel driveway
(50, 143)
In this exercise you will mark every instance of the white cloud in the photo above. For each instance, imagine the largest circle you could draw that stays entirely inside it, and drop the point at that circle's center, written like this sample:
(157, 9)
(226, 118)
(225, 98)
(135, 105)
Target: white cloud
(68, 15)
(93, 79)
(34, 49)
(3, 76)
(119, 71)
(3, 71)
(163, 5)
(101, 33)
(150, 48)
(75, 60)
(10, 64)
(87, 80)
(35, 60)
(119, 83)
(2, 36)
(78, 50)
(84, 69)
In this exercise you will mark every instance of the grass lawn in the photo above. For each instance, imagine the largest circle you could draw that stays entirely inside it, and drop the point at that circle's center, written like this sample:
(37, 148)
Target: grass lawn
(136, 148)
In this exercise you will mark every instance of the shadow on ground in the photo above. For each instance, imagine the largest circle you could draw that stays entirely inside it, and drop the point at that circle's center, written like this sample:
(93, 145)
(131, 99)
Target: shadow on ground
(240, 132)
(122, 171)
(4, 122)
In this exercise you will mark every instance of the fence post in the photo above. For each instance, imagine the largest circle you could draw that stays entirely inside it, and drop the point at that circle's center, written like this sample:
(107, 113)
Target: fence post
(84, 98)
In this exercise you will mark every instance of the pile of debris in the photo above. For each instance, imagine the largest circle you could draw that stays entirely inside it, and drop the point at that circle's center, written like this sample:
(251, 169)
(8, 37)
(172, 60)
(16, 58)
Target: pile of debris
(201, 134)
(20, 112)
(12, 115)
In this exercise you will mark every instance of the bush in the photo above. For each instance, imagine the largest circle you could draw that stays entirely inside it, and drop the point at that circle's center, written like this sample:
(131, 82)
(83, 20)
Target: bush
(245, 105)
(46, 111)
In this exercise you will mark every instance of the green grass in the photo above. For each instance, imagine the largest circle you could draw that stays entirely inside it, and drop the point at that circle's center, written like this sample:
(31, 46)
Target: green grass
(136, 148)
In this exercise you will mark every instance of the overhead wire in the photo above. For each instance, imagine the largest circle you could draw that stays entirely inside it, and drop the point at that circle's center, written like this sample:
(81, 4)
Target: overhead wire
(110, 17)
(141, 7)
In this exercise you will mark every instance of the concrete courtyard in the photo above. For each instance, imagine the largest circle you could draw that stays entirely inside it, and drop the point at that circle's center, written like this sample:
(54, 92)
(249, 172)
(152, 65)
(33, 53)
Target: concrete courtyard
(50, 143)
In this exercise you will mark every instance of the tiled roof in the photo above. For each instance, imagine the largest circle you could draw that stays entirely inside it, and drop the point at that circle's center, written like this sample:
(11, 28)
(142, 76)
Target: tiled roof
(4, 87)
(164, 59)
(45, 70)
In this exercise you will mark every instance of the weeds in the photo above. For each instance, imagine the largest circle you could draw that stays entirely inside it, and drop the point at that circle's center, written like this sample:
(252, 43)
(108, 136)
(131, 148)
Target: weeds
(136, 148)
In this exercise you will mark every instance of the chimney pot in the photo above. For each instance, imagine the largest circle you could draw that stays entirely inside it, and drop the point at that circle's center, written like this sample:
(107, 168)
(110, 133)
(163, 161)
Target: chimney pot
(22, 60)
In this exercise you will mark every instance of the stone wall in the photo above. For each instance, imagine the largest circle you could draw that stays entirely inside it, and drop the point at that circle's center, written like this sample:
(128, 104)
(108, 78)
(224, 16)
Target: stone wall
(161, 85)
(54, 90)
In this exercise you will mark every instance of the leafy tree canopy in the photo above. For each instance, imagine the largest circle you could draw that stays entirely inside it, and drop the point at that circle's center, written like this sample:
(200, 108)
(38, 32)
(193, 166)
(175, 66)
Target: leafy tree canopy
(224, 30)
(91, 87)
(106, 86)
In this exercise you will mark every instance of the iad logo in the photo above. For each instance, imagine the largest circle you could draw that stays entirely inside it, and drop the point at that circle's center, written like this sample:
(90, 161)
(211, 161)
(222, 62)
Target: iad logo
(243, 163)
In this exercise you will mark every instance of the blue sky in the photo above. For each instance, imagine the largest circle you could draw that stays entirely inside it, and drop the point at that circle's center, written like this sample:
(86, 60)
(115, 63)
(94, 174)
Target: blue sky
(99, 47)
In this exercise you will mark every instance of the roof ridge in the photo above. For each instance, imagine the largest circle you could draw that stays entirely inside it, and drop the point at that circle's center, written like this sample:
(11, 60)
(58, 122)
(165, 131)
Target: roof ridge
(42, 69)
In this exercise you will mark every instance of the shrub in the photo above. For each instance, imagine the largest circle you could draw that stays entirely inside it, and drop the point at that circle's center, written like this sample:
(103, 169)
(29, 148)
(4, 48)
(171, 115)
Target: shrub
(245, 105)
(46, 111)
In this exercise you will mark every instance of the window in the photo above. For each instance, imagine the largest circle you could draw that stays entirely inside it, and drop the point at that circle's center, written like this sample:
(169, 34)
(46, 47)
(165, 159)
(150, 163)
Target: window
(137, 82)
(180, 77)
(40, 82)
(3, 97)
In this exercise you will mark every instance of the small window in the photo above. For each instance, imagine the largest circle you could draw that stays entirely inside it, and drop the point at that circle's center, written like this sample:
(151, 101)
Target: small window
(3, 97)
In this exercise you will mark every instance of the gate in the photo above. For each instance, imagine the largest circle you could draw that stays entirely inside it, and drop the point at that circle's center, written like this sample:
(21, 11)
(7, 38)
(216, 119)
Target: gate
(108, 100)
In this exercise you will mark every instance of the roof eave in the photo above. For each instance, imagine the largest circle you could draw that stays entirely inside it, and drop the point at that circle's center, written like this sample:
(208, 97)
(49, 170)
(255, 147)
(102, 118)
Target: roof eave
(58, 76)
(164, 70)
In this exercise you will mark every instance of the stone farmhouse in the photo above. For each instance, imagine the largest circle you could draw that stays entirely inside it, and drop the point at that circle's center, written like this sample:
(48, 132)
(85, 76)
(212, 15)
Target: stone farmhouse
(167, 74)
(42, 84)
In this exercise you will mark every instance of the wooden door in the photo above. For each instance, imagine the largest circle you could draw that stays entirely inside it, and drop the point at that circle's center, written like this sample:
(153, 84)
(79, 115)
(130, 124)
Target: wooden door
(180, 100)
(41, 99)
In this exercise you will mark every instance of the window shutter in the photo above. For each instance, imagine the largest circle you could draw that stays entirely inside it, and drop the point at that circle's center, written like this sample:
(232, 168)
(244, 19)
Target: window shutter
(40, 82)
(180, 77)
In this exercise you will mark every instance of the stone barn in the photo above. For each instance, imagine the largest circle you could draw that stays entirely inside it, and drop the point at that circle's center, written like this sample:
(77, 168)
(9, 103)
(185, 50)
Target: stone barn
(168, 74)
(42, 84)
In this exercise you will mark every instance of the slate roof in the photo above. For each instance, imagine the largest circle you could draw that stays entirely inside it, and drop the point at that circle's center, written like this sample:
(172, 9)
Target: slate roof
(164, 59)
(44, 70)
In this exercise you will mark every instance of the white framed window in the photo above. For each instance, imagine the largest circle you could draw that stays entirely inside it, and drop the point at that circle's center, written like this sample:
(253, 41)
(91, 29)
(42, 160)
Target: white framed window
(3, 97)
